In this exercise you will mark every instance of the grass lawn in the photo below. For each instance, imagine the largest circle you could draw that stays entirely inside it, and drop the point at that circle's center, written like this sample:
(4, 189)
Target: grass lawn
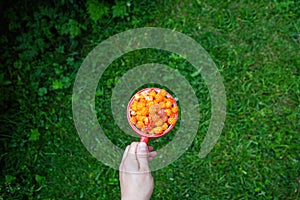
(255, 45)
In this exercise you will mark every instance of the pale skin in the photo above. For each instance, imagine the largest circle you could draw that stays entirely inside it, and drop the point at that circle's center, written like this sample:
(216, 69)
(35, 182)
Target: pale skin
(135, 176)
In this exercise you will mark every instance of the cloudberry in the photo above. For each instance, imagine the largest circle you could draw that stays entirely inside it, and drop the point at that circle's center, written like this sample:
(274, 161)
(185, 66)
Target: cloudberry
(150, 103)
(145, 111)
(163, 93)
(169, 103)
(175, 109)
(134, 106)
(168, 112)
(140, 105)
(140, 118)
(172, 120)
(152, 93)
(159, 98)
(157, 130)
(140, 124)
(133, 120)
(162, 104)
(164, 126)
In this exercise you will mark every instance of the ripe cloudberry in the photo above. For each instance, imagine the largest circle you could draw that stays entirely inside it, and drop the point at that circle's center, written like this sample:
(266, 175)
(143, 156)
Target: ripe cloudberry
(140, 124)
(165, 126)
(163, 92)
(172, 121)
(175, 109)
(169, 103)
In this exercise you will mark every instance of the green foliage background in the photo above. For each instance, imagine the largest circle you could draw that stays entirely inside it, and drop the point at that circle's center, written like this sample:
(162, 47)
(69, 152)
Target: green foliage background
(255, 45)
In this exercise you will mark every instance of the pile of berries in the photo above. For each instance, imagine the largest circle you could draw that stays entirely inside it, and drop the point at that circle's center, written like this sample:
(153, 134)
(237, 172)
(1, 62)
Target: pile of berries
(153, 111)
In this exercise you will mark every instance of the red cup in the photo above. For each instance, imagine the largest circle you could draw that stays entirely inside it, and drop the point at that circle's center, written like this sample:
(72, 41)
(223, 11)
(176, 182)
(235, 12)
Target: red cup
(144, 137)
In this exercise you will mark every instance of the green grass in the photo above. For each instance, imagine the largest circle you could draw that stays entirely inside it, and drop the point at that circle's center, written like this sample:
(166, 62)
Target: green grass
(255, 45)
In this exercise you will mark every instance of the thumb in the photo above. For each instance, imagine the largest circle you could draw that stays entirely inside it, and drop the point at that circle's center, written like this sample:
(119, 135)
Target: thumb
(143, 156)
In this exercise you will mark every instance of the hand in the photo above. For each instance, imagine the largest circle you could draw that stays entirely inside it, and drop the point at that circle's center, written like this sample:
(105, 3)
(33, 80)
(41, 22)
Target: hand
(135, 176)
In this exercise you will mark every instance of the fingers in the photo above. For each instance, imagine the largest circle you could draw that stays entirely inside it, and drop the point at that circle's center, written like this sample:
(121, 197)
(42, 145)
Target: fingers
(150, 148)
(122, 167)
(130, 162)
(136, 157)
(143, 156)
(125, 153)
(152, 154)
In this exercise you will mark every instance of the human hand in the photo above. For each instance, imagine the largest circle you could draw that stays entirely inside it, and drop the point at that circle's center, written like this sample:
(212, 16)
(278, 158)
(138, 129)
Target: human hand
(135, 176)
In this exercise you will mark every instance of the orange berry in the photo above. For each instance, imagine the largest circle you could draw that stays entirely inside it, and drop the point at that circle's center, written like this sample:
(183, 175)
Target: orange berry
(162, 104)
(142, 100)
(145, 111)
(140, 105)
(157, 130)
(168, 112)
(175, 109)
(159, 98)
(140, 118)
(172, 121)
(133, 120)
(172, 115)
(163, 92)
(169, 103)
(150, 103)
(164, 126)
(134, 106)
(152, 93)
(139, 124)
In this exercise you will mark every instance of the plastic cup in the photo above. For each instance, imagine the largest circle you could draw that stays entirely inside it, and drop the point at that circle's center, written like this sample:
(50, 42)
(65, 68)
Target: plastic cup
(144, 137)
